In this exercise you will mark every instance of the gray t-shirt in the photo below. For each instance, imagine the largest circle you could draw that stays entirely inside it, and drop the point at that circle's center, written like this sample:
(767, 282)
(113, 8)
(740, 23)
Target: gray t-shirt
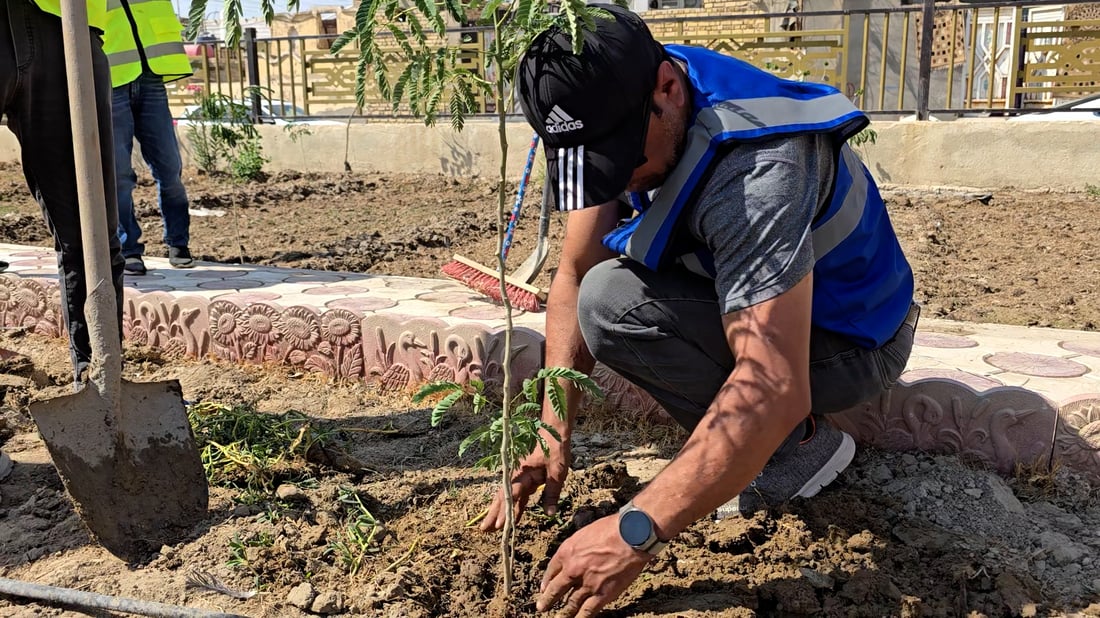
(754, 215)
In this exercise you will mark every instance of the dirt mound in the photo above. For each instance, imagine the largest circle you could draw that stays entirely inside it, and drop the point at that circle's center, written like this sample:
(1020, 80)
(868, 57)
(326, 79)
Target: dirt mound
(897, 534)
(23, 229)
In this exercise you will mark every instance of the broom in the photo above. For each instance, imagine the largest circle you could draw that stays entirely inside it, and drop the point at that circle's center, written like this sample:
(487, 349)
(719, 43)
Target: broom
(485, 280)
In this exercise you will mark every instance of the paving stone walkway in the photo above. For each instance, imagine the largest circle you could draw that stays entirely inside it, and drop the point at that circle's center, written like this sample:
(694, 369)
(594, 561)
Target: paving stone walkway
(991, 393)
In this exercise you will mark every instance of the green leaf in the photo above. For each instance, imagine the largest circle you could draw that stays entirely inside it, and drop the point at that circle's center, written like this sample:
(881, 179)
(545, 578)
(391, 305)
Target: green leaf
(435, 18)
(400, 84)
(579, 379)
(360, 82)
(458, 115)
(527, 409)
(523, 9)
(550, 430)
(381, 79)
(490, 10)
(417, 30)
(342, 41)
(474, 437)
(401, 38)
(444, 405)
(434, 97)
(434, 388)
(489, 462)
(195, 18)
(231, 17)
(480, 403)
(531, 389)
(455, 10)
(556, 395)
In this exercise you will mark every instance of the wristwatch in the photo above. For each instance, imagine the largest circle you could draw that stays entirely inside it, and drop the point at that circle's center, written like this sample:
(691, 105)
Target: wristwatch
(636, 530)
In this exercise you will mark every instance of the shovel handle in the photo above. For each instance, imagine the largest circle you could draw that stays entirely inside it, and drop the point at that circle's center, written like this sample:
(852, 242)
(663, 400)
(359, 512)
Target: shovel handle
(92, 600)
(100, 310)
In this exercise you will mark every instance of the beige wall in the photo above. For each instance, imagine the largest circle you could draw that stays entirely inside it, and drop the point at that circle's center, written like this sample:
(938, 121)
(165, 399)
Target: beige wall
(984, 153)
(979, 153)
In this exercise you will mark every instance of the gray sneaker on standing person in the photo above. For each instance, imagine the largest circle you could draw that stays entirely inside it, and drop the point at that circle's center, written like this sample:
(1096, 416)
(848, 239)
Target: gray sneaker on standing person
(757, 284)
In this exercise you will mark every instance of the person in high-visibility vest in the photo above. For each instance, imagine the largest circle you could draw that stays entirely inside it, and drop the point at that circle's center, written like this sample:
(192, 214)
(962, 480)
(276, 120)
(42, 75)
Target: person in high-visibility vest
(144, 46)
(34, 97)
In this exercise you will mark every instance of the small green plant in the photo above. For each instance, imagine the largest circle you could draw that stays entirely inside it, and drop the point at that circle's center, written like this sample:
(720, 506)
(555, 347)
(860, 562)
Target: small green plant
(1092, 191)
(247, 163)
(866, 136)
(221, 133)
(238, 548)
(354, 540)
(252, 451)
(525, 419)
(296, 131)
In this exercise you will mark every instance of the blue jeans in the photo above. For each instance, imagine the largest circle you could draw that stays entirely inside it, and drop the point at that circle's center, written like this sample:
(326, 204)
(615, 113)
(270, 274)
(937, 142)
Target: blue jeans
(140, 110)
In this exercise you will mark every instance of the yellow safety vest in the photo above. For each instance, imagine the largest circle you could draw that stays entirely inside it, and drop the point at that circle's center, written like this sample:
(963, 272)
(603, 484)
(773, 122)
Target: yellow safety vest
(97, 11)
(159, 38)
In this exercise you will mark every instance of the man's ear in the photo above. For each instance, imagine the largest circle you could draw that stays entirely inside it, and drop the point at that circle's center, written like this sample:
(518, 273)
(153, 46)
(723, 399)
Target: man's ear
(670, 92)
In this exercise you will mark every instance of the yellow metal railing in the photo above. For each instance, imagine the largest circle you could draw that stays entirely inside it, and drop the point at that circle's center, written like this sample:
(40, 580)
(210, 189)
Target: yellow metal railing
(992, 56)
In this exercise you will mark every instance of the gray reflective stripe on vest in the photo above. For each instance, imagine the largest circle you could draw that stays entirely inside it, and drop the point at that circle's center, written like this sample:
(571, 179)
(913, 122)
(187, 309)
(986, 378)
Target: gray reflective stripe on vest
(778, 112)
(753, 118)
(840, 225)
(131, 56)
(696, 146)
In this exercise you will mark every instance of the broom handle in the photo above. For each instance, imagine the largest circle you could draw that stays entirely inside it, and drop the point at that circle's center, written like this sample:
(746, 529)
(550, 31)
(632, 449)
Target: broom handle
(508, 233)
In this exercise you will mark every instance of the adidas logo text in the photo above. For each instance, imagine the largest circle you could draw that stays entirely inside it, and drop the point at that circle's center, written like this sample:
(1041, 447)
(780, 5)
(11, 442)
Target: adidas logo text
(560, 122)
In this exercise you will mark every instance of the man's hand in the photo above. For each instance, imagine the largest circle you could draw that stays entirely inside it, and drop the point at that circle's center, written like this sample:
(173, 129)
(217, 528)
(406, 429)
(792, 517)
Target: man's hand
(590, 569)
(535, 469)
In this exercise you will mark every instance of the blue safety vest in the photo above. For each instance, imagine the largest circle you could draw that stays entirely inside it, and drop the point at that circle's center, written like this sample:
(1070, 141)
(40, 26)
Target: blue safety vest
(863, 285)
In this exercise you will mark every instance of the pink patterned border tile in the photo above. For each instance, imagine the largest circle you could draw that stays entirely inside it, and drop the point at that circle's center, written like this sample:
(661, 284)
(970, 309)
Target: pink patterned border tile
(941, 411)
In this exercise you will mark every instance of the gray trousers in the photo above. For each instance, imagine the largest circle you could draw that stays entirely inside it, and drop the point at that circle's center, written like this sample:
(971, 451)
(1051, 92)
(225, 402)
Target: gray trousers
(663, 332)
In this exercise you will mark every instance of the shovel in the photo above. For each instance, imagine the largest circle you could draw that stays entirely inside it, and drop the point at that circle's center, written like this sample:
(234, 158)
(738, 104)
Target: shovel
(124, 450)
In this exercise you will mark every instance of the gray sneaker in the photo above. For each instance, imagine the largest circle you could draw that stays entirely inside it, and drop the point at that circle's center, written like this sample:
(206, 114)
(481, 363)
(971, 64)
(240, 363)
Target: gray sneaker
(801, 473)
(180, 257)
(134, 265)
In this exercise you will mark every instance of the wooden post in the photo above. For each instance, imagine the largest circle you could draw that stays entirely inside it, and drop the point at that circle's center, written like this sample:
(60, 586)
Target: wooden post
(924, 69)
(253, 72)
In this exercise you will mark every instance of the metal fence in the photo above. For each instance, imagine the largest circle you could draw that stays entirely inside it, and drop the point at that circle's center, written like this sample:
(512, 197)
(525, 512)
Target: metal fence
(975, 58)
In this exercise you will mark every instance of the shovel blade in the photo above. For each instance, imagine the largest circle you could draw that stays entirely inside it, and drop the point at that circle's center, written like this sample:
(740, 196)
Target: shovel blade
(133, 471)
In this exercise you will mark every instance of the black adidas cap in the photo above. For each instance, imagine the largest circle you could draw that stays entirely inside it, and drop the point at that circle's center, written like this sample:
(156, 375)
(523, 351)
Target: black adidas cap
(591, 110)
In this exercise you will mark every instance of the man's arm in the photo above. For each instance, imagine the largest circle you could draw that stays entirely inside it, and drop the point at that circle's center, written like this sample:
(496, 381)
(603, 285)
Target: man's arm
(766, 395)
(565, 347)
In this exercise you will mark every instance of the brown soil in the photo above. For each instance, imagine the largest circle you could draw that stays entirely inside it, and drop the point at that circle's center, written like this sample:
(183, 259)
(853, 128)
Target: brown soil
(897, 535)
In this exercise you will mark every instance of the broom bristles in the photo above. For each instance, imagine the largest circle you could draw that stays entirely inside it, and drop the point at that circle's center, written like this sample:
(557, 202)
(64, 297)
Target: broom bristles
(483, 281)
